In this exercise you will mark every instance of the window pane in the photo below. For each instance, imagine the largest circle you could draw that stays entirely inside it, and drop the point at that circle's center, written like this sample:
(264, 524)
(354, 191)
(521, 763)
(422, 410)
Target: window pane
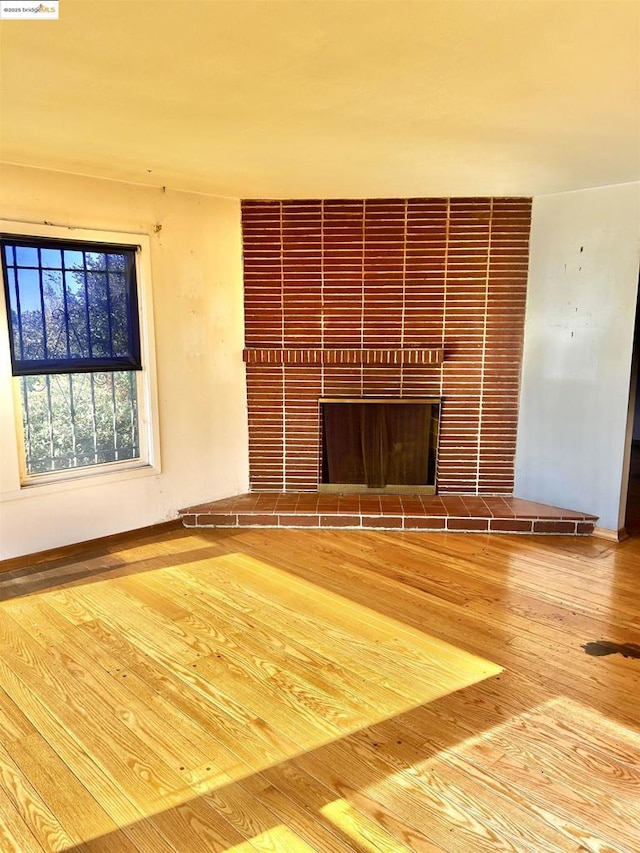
(73, 260)
(77, 420)
(13, 310)
(51, 258)
(77, 315)
(26, 256)
(55, 315)
(100, 319)
(96, 260)
(118, 299)
(90, 316)
(31, 322)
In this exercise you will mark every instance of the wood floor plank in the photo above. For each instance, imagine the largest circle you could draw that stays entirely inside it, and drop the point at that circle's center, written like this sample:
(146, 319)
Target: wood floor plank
(194, 826)
(411, 797)
(421, 771)
(421, 651)
(412, 663)
(115, 842)
(15, 834)
(470, 630)
(309, 826)
(245, 735)
(145, 626)
(252, 636)
(270, 619)
(78, 812)
(281, 691)
(13, 723)
(581, 835)
(610, 818)
(258, 824)
(95, 778)
(567, 717)
(27, 802)
(79, 662)
(142, 775)
(568, 754)
(296, 796)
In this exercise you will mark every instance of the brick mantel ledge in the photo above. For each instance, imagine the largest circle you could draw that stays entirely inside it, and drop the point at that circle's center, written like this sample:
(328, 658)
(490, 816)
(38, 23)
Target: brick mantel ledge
(304, 356)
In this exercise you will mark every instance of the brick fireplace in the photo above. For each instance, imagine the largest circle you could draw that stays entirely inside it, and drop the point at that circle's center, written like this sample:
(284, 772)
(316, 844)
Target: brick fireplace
(400, 298)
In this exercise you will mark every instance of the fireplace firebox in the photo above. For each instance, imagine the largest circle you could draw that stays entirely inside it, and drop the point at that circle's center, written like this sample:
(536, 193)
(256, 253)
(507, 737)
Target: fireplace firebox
(379, 445)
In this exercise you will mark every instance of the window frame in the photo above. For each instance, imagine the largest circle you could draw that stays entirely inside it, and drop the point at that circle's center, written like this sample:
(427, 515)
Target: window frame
(148, 463)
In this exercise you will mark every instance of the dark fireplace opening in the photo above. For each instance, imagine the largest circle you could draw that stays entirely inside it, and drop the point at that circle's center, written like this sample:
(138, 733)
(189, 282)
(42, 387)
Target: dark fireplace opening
(380, 445)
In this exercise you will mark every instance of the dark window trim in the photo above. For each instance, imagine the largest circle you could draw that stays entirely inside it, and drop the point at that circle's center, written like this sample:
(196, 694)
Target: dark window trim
(69, 245)
(88, 364)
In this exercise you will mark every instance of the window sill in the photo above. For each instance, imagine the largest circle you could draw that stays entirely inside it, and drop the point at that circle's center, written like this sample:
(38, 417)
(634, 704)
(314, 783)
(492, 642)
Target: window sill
(77, 481)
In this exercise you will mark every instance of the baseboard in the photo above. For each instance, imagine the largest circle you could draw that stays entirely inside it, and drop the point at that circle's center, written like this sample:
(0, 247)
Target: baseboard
(610, 535)
(66, 551)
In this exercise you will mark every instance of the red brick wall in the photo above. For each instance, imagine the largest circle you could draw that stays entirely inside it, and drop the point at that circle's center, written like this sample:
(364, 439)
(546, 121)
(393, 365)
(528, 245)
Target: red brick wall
(397, 274)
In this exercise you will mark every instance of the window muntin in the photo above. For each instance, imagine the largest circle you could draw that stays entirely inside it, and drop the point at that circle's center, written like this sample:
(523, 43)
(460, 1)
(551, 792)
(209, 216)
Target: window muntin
(72, 307)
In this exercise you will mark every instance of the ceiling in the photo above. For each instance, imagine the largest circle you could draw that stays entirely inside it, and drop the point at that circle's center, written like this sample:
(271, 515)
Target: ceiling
(354, 98)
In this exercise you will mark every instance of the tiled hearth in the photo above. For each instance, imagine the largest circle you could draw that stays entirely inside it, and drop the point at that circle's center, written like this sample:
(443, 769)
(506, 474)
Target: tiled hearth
(388, 512)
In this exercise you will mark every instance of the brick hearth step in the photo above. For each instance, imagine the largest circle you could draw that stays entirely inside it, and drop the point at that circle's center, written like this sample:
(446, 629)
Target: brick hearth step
(492, 514)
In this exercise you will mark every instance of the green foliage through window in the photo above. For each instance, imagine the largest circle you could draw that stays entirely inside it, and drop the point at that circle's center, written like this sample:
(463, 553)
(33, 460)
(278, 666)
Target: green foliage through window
(79, 419)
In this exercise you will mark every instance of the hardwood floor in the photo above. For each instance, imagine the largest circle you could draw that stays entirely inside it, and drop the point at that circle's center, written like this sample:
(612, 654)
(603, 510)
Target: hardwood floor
(331, 691)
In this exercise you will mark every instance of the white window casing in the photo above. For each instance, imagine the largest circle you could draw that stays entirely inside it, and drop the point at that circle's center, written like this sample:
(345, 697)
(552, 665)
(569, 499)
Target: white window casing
(15, 482)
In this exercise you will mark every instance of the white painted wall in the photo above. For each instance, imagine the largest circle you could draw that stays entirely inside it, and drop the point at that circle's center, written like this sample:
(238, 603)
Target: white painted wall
(198, 310)
(583, 279)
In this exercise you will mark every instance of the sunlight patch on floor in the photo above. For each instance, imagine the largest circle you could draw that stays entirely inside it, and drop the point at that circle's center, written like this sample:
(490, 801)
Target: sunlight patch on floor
(369, 836)
(163, 685)
(570, 771)
(280, 839)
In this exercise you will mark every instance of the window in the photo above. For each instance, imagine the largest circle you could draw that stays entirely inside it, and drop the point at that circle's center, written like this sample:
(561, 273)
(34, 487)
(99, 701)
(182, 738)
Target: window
(75, 341)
